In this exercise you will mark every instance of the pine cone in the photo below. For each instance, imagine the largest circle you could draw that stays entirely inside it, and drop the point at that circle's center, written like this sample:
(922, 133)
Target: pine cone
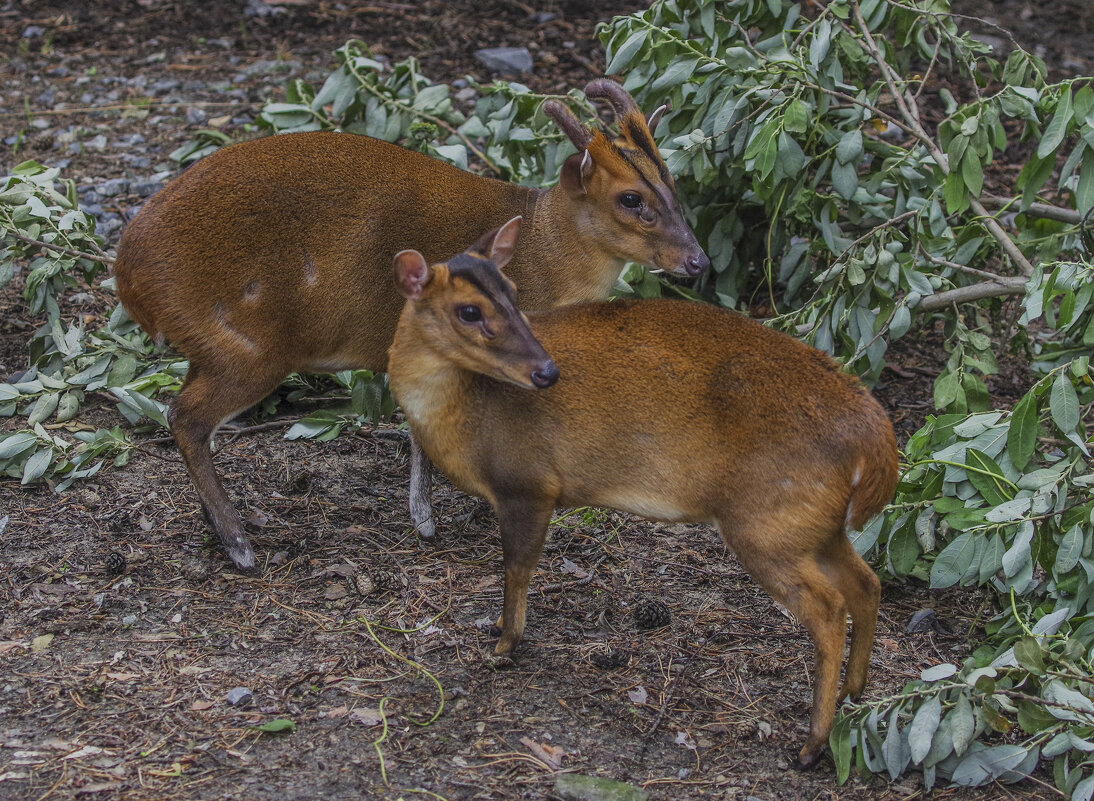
(649, 613)
(607, 658)
(115, 564)
(385, 579)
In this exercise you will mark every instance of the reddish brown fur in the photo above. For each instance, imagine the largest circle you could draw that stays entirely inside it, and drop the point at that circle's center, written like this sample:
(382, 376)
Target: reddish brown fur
(273, 256)
(682, 412)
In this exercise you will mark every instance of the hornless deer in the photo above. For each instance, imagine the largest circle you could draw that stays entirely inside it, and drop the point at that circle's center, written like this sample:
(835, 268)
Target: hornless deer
(273, 256)
(672, 410)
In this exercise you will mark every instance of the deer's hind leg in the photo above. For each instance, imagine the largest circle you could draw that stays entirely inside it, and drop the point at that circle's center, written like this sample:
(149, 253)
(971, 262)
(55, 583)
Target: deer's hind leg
(790, 566)
(205, 401)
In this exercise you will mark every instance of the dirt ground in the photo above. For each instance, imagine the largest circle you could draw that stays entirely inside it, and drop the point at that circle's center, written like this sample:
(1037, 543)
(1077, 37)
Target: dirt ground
(117, 686)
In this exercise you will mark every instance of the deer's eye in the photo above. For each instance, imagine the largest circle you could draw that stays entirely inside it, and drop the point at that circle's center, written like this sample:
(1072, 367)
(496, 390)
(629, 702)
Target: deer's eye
(469, 314)
(630, 200)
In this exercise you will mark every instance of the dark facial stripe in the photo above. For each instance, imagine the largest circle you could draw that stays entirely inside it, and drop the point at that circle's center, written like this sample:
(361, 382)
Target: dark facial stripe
(639, 134)
(485, 276)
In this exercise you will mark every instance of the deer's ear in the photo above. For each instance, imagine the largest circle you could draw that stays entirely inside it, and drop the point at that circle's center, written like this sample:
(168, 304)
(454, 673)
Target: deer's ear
(575, 173)
(505, 242)
(412, 273)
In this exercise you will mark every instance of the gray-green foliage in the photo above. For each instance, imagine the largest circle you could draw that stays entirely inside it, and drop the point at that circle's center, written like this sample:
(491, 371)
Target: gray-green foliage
(798, 143)
(800, 150)
(507, 133)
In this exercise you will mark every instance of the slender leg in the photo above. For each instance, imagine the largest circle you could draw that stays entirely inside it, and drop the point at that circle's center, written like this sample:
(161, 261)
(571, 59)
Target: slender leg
(861, 591)
(200, 407)
(798, 581)
(421, 489)
(523, 522)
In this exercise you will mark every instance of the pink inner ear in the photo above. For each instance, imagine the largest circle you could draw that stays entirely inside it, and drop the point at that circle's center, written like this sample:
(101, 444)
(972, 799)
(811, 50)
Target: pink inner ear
(411, 273)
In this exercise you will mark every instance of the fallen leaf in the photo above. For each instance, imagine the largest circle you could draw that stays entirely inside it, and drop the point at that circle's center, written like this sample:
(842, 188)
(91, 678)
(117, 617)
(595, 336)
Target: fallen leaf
(367, 715)
(123, 676)
(258, 519)
(335, 592)
(39, 644)
(638, 695)
(337, 712)
(571, 567)
(345, 570)
(201, 706)
(10, 645)
(13, 775)
(684, 739)
(86, 751)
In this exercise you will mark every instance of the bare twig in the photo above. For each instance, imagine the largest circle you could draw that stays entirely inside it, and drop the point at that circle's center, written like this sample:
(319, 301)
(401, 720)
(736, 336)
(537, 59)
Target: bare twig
(102, 257)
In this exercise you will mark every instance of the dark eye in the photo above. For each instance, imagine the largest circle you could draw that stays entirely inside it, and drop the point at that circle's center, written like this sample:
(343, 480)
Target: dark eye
(469, 314)
(630, 200)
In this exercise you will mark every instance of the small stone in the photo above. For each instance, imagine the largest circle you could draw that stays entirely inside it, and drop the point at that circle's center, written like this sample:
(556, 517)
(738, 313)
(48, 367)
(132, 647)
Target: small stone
(33, 30)
(146, 188)
(166, 85)
(96, 142)
(195, 115)
(129, 620)
(541, 17)
(505, 60)
(239, 696)
(113, 187)
(579, 787)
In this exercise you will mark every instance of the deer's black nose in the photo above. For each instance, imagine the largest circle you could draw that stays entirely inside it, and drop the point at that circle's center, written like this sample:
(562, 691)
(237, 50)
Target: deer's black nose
(545, 375)
(696, 265)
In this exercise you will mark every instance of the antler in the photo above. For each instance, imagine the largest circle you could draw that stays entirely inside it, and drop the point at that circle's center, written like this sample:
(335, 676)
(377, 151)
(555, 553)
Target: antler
(565, 119)
(609, 90)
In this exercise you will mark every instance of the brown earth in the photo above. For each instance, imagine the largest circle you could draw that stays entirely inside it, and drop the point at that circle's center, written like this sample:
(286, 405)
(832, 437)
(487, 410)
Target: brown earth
(128, 698)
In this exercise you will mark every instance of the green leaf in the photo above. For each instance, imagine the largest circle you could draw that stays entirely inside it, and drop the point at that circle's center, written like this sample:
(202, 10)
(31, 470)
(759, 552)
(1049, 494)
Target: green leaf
(1057, 127)
(796, 117)
(962, 724)
(955, 193)
(622, 57)
(43, 408)
(1071, 548)
(950, 565)
(1028, 653)
(1064, 404)
(839, 741)
(849, 148)
(844, 179)
(987, 477)
(1022, 433)
(37, 465)
(276, 726)
(923, 727)
(972, 174)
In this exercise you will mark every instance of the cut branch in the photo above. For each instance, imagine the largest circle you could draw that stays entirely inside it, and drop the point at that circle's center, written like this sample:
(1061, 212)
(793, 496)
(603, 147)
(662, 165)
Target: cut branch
(1044, 211)
(1003, 285)
(102, 256)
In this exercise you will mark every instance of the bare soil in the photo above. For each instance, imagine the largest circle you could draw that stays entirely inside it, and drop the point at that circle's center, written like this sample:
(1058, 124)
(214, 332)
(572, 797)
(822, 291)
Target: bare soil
(114, 684)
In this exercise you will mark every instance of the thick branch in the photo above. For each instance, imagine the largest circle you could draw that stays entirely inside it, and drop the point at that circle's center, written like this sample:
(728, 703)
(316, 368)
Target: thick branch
(1004, 285)
(1044, 211)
